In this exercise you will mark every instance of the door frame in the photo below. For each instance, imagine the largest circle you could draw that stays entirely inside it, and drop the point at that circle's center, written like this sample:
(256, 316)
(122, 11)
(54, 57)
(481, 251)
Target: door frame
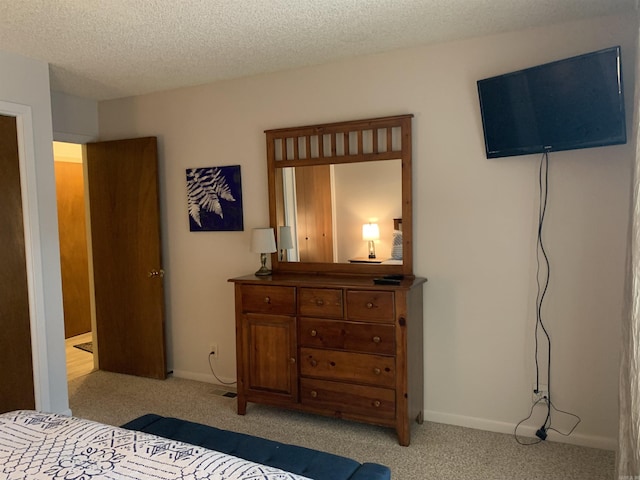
(81, 141)
(35, 279)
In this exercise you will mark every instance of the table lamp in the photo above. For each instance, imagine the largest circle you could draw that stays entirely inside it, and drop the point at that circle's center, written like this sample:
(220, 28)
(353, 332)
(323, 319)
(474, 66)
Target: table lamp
(263, 242)
(285, 241)
(370, 233)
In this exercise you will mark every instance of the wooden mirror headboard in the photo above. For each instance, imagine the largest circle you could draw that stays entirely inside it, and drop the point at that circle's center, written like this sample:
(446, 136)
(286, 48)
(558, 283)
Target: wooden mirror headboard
(327, 180)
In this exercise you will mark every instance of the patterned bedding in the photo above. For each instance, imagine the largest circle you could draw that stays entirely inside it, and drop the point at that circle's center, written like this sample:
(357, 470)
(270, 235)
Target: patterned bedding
(37, 445)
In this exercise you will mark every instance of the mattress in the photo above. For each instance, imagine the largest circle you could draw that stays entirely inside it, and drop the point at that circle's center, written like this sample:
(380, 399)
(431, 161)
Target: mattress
(35, 445)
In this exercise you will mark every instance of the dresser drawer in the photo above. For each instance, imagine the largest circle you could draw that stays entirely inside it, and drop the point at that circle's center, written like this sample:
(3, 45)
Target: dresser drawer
(351, 367)
(269, 299)
(356, 337)
(370, 305)
(320, 302)
(346, 398)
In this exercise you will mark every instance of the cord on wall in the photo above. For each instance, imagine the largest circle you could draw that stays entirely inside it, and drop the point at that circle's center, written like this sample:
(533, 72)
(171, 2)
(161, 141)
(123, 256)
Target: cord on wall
(542, 287)
(543, 276)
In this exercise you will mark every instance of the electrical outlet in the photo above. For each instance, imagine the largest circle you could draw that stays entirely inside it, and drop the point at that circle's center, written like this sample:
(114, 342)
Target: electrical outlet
(213, 350)
(542, 392)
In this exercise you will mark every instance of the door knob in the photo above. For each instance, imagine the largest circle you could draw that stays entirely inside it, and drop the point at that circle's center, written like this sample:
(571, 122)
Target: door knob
(156, 273)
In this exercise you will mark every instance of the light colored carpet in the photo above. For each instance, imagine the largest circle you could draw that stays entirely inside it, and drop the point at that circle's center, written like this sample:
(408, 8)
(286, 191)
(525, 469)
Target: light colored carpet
(437, 451)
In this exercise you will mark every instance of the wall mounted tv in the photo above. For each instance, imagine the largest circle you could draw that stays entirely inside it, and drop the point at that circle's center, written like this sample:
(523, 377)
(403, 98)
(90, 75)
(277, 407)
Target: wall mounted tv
(568, 104)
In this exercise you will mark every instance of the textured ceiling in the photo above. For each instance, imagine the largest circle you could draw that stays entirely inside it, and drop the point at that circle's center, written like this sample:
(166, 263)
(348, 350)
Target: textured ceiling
(105, 49)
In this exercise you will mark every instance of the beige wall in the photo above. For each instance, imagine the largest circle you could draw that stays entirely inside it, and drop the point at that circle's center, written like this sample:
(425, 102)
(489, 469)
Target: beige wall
(475, 220)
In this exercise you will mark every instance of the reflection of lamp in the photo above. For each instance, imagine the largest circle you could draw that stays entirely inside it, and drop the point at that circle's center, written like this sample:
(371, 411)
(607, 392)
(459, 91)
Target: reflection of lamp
(263, 242)
(284, 240)
(370, 233)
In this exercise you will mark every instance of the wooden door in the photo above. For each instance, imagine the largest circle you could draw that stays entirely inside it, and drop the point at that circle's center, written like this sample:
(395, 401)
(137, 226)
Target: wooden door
(16, 374)
(314, 213)
(125, 236)
(270, 363)
(74, 262)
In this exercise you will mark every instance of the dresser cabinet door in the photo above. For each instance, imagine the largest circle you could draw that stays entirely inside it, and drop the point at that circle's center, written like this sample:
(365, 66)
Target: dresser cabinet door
(270, 366)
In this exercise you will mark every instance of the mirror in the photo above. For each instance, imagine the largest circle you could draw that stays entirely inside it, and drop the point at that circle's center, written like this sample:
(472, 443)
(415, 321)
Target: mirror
(326, 182)
(326, 212)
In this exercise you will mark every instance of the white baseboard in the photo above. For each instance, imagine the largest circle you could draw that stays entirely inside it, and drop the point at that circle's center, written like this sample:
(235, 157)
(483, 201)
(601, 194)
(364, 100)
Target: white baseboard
(206, 378)
(591, 441)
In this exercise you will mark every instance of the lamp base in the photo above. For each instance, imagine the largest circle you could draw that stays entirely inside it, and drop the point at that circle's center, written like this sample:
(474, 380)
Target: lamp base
(263, 272)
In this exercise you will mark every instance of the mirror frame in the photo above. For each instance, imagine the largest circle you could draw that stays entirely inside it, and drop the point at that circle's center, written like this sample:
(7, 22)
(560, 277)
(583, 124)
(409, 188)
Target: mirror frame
(346, 145)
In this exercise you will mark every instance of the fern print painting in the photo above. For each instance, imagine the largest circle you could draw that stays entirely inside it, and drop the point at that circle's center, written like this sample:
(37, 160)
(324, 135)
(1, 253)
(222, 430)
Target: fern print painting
(214, 198)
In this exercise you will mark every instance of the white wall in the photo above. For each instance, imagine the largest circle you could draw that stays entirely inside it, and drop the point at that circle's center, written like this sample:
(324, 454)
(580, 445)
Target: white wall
(474, 220)
(75, 119)
(25, 82)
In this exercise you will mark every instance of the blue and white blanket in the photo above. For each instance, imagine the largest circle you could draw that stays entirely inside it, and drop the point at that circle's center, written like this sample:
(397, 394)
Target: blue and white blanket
(36, 445)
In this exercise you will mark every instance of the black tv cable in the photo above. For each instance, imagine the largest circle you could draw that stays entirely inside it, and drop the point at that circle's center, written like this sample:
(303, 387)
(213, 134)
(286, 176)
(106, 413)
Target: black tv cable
(542, 288)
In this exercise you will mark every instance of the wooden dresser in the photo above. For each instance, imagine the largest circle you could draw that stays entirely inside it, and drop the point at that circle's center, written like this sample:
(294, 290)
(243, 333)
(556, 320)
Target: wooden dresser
(334, 345)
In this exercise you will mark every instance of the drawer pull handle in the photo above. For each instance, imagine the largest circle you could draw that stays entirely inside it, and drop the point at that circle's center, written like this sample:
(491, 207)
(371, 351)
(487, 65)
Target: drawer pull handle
(314, 394)
(319, 302)
(377, 371)
(376, 339)
(313, 362)
(267, 299)
(314, 333)
(292, 360)
(369, 305)
(376, 403)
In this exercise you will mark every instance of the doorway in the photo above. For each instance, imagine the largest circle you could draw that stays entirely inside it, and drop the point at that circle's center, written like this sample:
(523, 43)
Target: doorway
(123, 262)
(74, 259)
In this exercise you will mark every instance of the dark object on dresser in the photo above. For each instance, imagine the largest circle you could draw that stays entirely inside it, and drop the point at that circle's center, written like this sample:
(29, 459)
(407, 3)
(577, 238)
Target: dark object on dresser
(299, 460)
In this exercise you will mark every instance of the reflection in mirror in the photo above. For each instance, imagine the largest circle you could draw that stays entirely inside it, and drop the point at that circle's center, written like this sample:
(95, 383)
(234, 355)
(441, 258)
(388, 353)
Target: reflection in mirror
(327, 205)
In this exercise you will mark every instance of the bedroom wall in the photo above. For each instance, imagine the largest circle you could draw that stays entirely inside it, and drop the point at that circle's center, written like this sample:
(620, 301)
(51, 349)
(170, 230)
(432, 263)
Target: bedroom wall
(75, 119)
(475, 221)
(25, 82)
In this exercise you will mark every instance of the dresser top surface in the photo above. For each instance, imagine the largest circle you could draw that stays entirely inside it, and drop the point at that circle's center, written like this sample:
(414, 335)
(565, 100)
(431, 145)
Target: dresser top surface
(338, 281)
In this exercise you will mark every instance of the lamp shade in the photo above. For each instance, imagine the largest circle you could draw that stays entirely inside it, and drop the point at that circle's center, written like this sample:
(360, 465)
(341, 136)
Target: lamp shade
(284, 238)
(263, 240)
(370, 231)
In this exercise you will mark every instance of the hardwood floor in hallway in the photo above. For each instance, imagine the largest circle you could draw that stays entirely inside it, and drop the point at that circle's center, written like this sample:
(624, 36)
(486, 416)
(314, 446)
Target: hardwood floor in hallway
(79, 362)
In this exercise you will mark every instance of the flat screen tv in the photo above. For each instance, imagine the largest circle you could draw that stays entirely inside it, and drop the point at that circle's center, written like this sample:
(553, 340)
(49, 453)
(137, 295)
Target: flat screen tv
(568, 104)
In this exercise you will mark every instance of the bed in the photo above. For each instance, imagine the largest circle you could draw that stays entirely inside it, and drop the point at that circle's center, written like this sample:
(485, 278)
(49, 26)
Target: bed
(396, 244)
(36, 445)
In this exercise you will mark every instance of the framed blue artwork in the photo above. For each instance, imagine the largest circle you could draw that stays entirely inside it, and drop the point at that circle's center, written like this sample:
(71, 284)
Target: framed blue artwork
(214, 198)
